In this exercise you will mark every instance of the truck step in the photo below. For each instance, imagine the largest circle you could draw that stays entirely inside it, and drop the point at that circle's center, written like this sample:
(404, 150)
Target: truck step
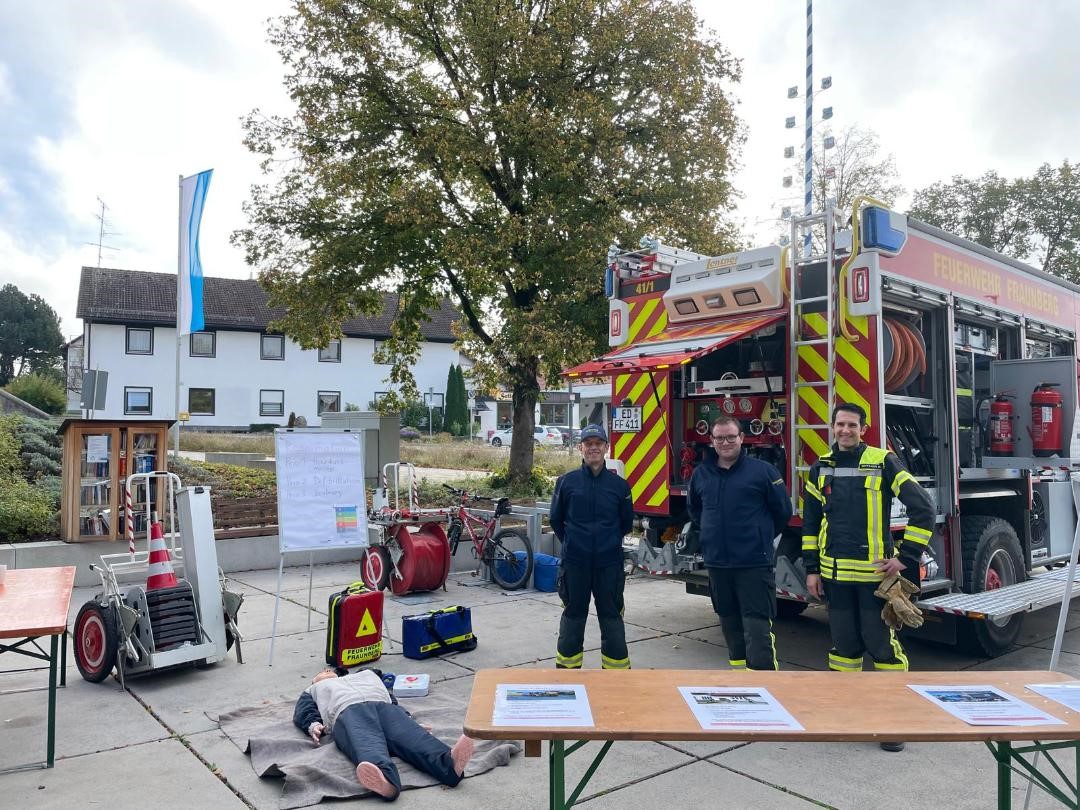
(1042, 590)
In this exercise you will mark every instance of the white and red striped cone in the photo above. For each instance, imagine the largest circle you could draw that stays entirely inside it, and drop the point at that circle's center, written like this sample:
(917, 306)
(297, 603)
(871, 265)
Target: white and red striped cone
(160, 573)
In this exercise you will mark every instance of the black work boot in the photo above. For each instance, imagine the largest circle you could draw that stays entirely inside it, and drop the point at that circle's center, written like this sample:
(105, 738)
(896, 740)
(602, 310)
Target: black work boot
(892, 746)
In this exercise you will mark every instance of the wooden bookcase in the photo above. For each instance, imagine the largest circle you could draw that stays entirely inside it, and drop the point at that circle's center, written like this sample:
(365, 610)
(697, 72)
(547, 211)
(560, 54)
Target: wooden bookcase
(98, 457)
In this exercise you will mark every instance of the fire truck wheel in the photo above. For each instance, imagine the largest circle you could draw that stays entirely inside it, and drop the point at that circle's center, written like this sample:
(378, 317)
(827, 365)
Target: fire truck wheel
(95, 638)
(375, 568)
(992, 560)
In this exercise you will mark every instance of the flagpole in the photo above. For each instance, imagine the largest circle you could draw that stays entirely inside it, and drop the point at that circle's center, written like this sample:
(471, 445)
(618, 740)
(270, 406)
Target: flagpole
(179, 270)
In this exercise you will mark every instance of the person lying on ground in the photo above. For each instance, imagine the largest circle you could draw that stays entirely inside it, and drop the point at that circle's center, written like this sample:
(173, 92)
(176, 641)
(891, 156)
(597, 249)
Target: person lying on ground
(369, 727)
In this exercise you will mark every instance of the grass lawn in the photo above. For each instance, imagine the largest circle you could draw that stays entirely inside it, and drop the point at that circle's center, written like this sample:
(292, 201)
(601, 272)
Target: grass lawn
(441, 451)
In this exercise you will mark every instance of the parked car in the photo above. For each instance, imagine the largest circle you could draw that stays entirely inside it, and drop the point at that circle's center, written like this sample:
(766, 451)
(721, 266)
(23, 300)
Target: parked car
(542, 435)
(570, 437)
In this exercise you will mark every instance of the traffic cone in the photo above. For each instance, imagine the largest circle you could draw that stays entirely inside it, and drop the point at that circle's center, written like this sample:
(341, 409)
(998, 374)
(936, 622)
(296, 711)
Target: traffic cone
(160, 572)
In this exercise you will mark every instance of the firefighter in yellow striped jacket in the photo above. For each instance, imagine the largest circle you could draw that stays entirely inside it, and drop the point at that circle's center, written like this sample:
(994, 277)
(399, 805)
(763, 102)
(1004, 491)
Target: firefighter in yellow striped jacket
(847, 546)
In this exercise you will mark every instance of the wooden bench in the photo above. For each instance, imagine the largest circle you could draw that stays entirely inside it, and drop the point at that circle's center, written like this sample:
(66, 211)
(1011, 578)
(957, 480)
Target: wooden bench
(645, 704)
(244, 517)
(34, 604)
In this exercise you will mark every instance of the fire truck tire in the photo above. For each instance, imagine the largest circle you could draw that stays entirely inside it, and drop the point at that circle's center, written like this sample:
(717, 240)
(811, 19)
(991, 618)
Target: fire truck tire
(992, 559)
(95, 639)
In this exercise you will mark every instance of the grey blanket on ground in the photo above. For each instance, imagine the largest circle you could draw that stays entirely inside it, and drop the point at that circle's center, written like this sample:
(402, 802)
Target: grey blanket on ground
(278, 748)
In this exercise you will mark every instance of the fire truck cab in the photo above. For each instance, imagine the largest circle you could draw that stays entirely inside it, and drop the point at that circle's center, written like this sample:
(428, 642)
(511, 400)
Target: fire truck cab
(964, 360)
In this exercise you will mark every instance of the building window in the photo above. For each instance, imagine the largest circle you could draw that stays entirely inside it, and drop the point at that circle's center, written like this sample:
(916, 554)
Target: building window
(271, 402)
(203, 344)
(138, 401)
(379, 395)
(329, 402)
(140, 341)
(201, 401)
(272, 347)
(332, 353)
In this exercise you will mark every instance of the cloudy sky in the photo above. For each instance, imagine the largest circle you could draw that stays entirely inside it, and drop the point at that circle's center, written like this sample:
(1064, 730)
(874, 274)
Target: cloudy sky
(114, 99)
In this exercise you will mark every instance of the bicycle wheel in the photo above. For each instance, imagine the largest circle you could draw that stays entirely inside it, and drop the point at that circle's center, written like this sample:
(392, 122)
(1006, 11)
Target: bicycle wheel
(453, 535)
(509, 555)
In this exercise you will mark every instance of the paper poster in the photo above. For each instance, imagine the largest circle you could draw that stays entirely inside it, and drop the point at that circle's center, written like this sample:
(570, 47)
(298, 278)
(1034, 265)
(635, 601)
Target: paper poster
(1067, 694)
(320, 489)
(985, 706)
(97, 449)
(743, 708)
(541, 704)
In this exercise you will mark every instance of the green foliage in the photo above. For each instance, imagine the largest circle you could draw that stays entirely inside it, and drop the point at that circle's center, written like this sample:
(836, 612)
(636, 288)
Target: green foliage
(351, 407)
(540, 483)
(1034, 219)
(29, 478)
(243, 482)
(263, 427)
(414, 414)
(41, 391)
(456, 413)
(489, 153)
(27, 511)
(29, 335)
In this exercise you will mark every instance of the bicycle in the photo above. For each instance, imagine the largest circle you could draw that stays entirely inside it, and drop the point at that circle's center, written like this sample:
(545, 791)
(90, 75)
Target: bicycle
(507, 553)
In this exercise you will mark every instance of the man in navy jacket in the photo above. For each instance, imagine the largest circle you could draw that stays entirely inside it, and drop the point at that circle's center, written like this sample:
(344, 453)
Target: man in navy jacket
(591, 511)
(740, 505)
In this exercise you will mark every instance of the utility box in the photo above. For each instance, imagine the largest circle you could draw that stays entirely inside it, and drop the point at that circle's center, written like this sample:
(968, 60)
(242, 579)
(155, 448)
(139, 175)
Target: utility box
(382, 438)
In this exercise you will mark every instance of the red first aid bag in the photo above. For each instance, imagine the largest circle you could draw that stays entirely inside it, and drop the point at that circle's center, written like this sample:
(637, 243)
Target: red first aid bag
(354, 631)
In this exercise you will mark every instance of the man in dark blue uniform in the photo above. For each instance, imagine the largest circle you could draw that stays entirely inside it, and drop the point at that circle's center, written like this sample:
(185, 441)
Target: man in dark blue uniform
(591, 511)
(740, 505)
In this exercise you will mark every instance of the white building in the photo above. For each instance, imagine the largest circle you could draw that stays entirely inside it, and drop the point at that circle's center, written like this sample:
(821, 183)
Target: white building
(235, 373)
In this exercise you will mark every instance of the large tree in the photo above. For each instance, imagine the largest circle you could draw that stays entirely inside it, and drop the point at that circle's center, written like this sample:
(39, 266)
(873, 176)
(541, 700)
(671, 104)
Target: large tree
(852, 167)
(29, 334)
(488, 151)
(1035, 219)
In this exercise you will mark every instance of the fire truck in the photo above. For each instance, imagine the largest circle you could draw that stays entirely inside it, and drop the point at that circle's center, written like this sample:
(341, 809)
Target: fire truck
(963, 359)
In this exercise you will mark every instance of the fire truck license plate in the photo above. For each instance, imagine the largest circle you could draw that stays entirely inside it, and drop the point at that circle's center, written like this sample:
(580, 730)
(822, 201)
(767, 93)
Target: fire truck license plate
(626, 420)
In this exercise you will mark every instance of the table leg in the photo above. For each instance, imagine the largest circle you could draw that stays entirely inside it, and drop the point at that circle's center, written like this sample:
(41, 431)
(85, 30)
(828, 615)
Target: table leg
(1004, 780)
(51, 743)
(557, 775)
(63, 659)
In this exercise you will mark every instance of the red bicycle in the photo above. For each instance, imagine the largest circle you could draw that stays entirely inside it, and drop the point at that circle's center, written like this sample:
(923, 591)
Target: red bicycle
(507, 552)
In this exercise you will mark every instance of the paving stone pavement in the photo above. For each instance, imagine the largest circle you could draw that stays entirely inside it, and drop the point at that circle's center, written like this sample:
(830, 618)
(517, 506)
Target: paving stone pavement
(159, 743)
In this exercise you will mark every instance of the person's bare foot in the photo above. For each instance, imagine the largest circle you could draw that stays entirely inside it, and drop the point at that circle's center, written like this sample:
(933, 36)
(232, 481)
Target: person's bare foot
(461, 753)
(369, 775)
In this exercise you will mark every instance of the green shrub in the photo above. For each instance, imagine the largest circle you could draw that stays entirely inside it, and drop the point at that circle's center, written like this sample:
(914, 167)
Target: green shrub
(10, 463)
(540, 483)
(262, 427)
(34, 444)
(38, 465)
(40, 391)
(27, 511)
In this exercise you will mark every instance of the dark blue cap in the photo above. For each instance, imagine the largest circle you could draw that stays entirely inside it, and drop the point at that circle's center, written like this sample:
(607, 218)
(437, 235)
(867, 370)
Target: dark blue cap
(594, 432)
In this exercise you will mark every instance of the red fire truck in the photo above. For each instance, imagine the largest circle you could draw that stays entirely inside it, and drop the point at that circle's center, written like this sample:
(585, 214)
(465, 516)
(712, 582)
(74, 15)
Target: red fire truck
(964, 359)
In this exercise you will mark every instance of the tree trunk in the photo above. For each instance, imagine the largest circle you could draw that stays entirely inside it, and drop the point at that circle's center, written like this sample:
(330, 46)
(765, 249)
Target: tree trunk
(526, 391)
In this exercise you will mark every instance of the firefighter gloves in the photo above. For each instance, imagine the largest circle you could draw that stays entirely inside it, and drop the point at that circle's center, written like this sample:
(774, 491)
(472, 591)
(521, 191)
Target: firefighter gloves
(899, 611)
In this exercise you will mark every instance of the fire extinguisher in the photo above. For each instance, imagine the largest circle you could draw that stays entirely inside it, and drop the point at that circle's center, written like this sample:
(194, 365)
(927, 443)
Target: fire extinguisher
(1001, 416)
(1046, 419)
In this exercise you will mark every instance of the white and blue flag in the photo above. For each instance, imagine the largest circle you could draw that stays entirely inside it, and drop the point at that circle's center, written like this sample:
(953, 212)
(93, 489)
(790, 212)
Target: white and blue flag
(189, 313)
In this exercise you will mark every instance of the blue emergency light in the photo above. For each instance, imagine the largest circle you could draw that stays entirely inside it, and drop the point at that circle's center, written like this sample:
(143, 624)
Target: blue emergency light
(883, 230)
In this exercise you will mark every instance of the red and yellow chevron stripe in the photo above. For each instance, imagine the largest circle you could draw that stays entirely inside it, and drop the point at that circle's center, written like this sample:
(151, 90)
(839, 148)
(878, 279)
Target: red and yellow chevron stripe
(645, 455)
(855, 375)
(647, 317)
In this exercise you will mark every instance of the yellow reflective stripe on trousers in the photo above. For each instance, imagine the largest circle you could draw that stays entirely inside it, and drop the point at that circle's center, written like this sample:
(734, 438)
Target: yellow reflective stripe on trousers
(898, 654)
(614, 663)
(737, 663)
(839, 663)
(569, 661)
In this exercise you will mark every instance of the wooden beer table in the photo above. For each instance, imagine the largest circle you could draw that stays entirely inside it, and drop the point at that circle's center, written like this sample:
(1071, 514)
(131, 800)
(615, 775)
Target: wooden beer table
(644, 704)
(33, 604)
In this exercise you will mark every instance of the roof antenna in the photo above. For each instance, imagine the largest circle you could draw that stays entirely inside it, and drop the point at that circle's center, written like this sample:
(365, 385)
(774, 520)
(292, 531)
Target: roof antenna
(102, 233)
